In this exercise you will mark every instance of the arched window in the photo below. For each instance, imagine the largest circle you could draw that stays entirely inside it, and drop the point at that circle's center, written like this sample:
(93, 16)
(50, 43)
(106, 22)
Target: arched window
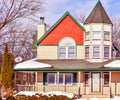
(67, 48)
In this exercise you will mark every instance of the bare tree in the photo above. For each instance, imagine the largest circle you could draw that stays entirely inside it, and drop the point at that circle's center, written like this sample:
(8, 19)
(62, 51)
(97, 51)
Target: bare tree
(18, 20)
(80, 16)
(116, 28)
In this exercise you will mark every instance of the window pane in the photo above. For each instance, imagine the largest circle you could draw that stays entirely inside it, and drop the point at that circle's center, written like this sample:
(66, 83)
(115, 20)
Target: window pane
(86, 51)
(61, 75)
(86, 78)
(71, 52)
(62, 52)
(96, 52)
(68, 78)
(106, 79)
(106, 51)
(51, 78)
(96, 35)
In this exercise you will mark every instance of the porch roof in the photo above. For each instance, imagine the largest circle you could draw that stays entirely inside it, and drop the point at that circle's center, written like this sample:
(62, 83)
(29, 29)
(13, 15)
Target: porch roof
(31, 65)
(113, 64)
(70, 65)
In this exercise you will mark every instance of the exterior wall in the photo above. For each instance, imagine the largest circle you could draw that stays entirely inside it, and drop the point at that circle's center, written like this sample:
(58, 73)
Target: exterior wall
(47, 52)
(80, 52)
(115, 83)
(51, 52)
(101, 42)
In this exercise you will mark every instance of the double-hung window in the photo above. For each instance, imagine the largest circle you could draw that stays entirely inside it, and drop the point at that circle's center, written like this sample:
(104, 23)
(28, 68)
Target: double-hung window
(106, 51)
(96, 51)
(86, 51)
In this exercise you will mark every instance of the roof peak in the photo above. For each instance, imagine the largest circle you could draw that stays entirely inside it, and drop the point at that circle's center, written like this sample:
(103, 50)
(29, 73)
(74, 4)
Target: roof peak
(98, 15)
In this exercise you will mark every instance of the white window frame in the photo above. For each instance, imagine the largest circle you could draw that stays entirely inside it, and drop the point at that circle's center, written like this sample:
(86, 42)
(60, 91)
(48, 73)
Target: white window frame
(96, 51)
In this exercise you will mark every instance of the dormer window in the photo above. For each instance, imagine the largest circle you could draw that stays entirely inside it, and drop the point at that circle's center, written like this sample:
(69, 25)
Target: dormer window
(67, 48)
(96, 35)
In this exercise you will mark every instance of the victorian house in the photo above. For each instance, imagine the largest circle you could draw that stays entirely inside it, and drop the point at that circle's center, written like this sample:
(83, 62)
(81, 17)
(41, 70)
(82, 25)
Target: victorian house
(73, 57)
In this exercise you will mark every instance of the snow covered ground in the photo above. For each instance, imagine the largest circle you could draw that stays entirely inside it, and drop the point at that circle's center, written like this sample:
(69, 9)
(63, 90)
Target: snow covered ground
(70, 95)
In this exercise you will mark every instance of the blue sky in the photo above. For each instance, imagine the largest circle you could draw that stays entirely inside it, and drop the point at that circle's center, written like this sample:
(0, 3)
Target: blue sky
(54, 9)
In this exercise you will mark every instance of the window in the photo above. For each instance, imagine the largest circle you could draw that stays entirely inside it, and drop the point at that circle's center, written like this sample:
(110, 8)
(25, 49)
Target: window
(106, 35)
(62, 52)
(67, 78)
(96, 35)
(51, 78)
(106, 51)
(67, 48)
(87, 51)
(86, 78)
(96, 51)
(106, 78)
(61, 78)
(87, 36)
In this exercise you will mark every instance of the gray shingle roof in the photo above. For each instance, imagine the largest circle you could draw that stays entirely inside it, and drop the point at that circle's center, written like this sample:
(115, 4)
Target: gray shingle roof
(98, 15)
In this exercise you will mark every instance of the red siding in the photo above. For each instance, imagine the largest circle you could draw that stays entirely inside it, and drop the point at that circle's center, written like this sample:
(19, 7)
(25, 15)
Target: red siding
(66, 28)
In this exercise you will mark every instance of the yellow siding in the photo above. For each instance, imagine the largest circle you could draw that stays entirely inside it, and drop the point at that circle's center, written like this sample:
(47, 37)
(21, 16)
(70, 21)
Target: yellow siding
(47, 52)
(80, 52)
(107, 28)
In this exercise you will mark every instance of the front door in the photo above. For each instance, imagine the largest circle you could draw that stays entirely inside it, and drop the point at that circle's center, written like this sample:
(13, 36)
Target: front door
(95, 86)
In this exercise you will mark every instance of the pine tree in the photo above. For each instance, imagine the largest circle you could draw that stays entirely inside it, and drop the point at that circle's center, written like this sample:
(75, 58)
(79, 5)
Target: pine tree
(7, 71)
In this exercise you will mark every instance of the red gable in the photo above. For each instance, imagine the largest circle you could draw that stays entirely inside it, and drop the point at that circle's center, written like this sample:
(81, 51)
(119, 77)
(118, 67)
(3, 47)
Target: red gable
(67, 27)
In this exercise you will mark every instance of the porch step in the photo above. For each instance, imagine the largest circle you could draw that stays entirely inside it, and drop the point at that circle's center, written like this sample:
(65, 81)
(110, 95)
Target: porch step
(95, 95)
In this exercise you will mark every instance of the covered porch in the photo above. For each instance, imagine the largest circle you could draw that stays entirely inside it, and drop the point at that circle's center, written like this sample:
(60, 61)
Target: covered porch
(80, 80)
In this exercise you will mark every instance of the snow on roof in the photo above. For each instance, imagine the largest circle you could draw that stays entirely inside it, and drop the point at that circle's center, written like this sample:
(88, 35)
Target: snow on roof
(31, 64)
(112, 64)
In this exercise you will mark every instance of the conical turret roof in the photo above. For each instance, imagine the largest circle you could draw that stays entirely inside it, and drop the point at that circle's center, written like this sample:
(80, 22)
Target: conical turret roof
(98, 15)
